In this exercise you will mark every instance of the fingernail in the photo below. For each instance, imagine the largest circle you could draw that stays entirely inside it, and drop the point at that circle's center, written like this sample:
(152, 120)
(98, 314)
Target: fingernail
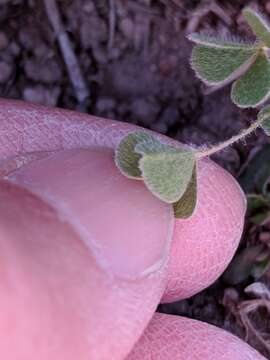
(126, 228)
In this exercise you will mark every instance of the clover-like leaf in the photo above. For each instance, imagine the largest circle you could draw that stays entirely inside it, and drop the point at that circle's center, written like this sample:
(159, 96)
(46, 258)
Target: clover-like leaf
(221, 64)
(166, 170)
(258, 24)
(126, 159)
(185, 207)
(222, 43)
(264, 117)
(253, 88)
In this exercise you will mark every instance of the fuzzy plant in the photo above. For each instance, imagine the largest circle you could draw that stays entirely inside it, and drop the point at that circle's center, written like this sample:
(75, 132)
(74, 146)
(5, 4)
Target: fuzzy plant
(170, 172)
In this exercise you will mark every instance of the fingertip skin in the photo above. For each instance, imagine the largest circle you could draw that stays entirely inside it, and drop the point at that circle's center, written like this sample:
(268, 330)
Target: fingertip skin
(177, 338)
(204, 245)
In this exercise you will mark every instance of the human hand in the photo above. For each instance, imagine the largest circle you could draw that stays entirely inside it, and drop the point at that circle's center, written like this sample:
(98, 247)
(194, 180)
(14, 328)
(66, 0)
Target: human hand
(85, 251)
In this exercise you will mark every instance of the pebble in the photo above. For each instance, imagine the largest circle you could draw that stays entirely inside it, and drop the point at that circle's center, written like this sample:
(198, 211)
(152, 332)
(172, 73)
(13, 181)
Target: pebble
(88, 7)
(105, 104)
(170, 116)
(14, 48)
(42, 95)
(3, 41)
(160, 127)
(264, 236)
(93, 31)
(5, 71)
(126, 25)
(267, 7)
(230, 296)
(46, 71)
(145, 110)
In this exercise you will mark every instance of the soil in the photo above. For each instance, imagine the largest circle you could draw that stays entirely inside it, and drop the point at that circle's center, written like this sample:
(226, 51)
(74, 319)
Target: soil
(134, 59)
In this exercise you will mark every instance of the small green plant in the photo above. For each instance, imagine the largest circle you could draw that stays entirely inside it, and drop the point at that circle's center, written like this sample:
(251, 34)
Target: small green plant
(169, 172)
(218, 62)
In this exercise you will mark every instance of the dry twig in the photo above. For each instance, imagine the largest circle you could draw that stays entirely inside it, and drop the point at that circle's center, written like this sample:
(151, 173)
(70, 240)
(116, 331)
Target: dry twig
(112, 23)
(245, 309)
(81, 90)
(204, 10)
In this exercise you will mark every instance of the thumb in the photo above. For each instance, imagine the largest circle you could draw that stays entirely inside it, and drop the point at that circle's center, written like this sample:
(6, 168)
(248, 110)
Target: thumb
(84, 265)
(82, 269)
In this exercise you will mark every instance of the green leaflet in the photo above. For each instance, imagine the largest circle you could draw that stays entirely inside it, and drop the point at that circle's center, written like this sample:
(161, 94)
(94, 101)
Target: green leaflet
(166, 170)
(253, 88)
(222, 43)
(126, 159)
(258, 24)
(185, 207)
(215, 65)
(264, 116)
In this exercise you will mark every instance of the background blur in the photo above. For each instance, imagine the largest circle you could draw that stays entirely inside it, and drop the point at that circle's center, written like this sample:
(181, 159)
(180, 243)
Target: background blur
(129, 60)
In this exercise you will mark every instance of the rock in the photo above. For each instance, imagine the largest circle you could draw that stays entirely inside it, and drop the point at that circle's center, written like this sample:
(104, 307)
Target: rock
(47, 71)
(126, 25)
(105, 104)
(5, 71)
(42, 95)
(28, 38)
(14, 48)
(3, 41)
(170, 116)
(145, 110)
(267, 7)
(88, 7)
(93, 31)
(160, 127)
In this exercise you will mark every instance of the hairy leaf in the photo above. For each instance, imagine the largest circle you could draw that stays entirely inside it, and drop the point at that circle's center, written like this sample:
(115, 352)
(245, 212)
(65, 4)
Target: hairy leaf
(215, 66)
(126, 159)
(264, 116)
(258, 24)
(185, 207)
(253, 88)
(222, 43)
(166, 170)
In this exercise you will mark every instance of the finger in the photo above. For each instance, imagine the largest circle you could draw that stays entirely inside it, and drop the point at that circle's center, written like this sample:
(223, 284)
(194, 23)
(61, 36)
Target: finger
(204, 245)
(178, 338)
(29, 128)
(82, 268)
(84, 249)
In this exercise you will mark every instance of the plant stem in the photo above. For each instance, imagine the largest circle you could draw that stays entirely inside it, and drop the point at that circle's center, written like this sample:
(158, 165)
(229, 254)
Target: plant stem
(215, 148)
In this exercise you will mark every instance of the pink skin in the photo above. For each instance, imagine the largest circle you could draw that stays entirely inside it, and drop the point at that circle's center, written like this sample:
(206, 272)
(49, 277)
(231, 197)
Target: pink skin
(173, 337)
(68, 290)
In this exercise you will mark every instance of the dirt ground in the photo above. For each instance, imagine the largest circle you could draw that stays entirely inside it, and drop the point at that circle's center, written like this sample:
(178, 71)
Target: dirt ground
(134, 61)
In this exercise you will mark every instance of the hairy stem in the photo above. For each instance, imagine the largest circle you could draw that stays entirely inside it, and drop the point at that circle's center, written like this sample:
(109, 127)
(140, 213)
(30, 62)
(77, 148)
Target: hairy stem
(216, 148)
